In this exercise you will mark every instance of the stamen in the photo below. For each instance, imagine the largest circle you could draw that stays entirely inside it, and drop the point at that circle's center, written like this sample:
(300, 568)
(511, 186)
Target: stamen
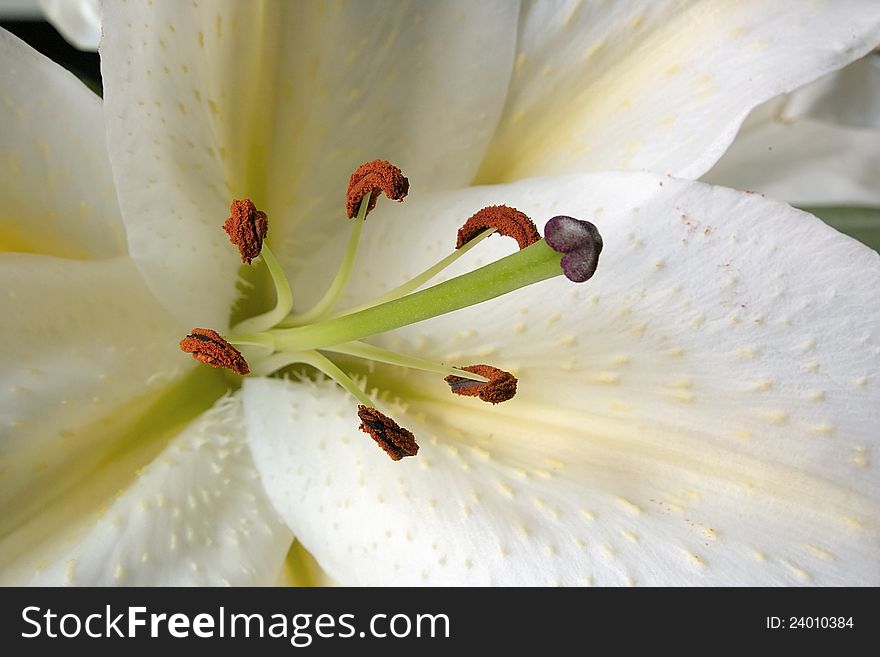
(416, 282)
(572, 248)
(500, 388)
(374, 353)
(283, 297)
(507, 221)
(581, 243)
(326, 303)
(210, 348)
(390, 436)
(253, 346)
(363, 189)
(247, 228)
(372, 178)
(277, 361)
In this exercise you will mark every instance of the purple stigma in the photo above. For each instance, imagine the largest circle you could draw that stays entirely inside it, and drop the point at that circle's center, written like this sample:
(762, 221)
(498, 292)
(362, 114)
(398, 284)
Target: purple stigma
(579, 241)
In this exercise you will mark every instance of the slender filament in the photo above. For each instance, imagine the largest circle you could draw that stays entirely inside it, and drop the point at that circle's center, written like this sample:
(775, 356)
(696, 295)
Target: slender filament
(283, 297)
(331, 296)
(415, 283)
(374, 353)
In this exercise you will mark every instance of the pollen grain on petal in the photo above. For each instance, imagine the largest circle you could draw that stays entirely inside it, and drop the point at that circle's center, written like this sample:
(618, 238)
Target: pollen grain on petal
(374, 178)
(396, 441)
(210, 348)
(500, 387)
(506, 221)
(247, 228)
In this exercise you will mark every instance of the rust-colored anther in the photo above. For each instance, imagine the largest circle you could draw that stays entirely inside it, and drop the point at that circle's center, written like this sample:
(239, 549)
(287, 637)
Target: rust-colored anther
(210, 348)
(391, 437)
(374, 178)
(506, 221)
(247, 228)
(500, 387)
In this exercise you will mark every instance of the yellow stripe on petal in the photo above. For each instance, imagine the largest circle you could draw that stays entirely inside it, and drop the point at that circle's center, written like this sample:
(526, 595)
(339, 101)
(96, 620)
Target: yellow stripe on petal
(18, 238)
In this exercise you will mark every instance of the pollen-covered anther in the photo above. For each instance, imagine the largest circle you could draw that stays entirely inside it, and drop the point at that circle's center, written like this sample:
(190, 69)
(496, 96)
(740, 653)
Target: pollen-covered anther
(390, 436)
(247, 228)
(581, 243)
(210, 348)
(500, 387)
(506, 221)
(374, 178)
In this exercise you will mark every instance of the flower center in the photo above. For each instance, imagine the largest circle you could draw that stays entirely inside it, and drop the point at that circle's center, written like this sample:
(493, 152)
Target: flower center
(266, 343)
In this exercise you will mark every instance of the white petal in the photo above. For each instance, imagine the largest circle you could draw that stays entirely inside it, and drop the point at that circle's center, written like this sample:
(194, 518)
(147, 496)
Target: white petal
(703, 411)
(85, 350)
(196, 515)
(55, 180)
(819, 145)
(79, 21)
(661, 86)
(215, 101)
(850, 96)
(805, 162)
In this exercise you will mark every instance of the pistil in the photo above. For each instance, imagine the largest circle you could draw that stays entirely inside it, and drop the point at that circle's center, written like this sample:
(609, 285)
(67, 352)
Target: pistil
(491, 220)
(533, 264)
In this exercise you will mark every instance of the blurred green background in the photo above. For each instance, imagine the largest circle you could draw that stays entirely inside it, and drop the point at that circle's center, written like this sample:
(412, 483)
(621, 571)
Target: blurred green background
(861, 223)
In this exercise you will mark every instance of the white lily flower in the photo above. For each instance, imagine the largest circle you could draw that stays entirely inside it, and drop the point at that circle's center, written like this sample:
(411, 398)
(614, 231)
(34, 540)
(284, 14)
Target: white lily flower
(701, 412)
